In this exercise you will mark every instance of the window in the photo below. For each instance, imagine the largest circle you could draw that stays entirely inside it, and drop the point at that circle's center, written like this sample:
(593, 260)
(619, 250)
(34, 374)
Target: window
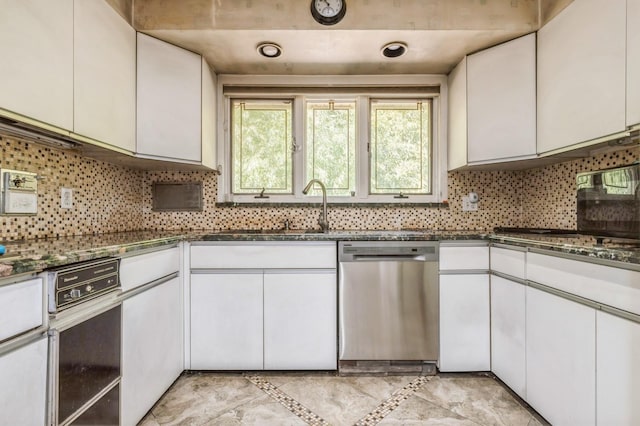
(330, 148)
(261, 141)
(376, 143)
(400, 144)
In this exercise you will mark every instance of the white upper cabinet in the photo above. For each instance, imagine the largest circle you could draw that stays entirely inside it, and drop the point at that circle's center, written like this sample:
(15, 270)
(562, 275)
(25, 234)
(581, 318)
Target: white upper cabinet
(581, 74)
(169, 101)
(633, 62)
(36, 47)
(501, 101)
(457, 146)
(492, 105)
(209, 116)
(104, 75)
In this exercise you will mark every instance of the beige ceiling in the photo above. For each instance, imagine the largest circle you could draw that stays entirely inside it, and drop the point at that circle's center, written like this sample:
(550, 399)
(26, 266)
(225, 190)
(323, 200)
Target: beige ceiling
(438, 32)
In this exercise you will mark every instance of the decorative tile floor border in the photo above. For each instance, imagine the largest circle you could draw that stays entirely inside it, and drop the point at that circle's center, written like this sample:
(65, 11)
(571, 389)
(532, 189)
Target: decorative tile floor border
(393, 402)
(373, 418)
(289, 403)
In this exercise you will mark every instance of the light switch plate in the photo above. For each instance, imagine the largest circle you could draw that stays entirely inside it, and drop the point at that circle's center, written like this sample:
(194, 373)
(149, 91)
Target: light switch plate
(468, 206)
(66, 198)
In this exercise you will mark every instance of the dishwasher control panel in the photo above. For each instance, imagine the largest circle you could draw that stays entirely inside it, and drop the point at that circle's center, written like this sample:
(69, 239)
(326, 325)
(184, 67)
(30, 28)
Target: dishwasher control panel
(400, 250)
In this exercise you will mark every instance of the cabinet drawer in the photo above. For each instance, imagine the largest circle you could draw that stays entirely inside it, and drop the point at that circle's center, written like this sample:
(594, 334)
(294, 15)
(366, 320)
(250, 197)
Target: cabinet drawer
(22, 307)
(608, 285)
(510, 262)
(464, 257)
(138, 270)
(262, 255)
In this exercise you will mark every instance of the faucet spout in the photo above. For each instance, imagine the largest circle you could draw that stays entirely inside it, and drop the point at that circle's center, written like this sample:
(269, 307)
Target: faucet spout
(323, 221)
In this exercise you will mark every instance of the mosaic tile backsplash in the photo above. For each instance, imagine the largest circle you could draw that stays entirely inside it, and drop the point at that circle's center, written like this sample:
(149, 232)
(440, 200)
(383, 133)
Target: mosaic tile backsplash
(110, 198)
(106, 198)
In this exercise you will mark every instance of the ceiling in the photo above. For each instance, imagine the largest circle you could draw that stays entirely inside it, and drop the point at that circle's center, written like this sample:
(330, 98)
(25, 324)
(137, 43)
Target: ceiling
(438, 32)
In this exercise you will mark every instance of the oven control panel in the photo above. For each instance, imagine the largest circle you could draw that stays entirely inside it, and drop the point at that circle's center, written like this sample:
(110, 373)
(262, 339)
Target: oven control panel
(76, 283)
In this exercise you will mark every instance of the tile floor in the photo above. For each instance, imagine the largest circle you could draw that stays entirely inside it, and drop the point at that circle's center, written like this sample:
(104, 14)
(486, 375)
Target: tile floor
(327, 399)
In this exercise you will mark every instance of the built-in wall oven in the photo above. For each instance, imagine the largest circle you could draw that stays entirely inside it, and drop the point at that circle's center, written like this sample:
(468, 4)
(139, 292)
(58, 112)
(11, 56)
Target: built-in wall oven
(84, 343)
(608, 202)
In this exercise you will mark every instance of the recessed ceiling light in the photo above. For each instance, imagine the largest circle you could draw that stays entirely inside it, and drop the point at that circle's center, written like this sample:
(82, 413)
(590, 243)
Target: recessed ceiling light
(394, 49)
(269, 50)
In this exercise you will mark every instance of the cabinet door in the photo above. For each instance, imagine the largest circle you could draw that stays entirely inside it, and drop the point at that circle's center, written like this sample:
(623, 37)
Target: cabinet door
(618, 372)
(508, 333)
(226, 321)
(104, 74)
(457, 116)
(22, 307)
(501, 98)
(300, 331)
(561, 365)
(633, 62)
(464, 257)
(152, 347)
(36, 47)
(581, 74)
(209, 117)
(169, 101)
(464, 323)
(23, 393)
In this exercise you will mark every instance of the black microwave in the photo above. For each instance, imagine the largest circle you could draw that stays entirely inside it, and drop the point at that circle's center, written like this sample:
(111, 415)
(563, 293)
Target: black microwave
(608, 202)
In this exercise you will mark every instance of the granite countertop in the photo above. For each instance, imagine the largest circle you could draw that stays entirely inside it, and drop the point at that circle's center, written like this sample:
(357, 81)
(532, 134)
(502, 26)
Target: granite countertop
(30, 256)
(33, 256)
(576, 244)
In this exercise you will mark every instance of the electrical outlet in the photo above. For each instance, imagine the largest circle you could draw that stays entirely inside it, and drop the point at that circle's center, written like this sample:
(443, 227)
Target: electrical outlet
(468, 205)
(66, 198)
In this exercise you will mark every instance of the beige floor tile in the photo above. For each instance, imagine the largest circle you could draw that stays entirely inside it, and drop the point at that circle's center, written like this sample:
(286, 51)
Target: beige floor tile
(231, 399)
(478, 398)
(418, 411)
(260, 411)
(342, 400)
(196, 399)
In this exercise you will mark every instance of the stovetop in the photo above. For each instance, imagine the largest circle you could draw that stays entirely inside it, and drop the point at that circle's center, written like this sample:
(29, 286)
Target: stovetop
(569, 235)
(537, 231)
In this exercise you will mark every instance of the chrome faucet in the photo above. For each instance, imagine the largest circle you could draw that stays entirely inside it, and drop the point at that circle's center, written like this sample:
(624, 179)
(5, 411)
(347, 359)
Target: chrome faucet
(323, 220)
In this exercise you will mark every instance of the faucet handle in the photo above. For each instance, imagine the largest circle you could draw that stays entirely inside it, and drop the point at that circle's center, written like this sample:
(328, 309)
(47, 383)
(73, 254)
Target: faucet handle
(287, 224)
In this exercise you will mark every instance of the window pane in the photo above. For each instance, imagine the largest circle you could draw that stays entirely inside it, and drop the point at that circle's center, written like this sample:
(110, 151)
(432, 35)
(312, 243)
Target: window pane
(400, 147)
(331, 141)
(261, 142)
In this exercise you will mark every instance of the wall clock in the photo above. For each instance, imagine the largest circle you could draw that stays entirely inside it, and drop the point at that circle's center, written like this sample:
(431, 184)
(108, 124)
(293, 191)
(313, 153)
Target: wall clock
(328, 12)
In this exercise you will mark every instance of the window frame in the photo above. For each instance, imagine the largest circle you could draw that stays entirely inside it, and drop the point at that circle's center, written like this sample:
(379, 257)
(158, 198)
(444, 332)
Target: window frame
(363, 126)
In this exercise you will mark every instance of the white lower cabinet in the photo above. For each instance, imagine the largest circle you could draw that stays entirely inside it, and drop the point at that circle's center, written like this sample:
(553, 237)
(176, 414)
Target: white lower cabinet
(226, 321)
(263, 305)
(23, 393)
(561, 364)
(464, 323)
(508, 320)
(300, 320)
(152, 342)
(255, 320)
(618, 370)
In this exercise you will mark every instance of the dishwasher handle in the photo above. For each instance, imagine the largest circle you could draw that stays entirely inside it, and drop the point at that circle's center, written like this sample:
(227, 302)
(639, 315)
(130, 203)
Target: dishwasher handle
(386, 258)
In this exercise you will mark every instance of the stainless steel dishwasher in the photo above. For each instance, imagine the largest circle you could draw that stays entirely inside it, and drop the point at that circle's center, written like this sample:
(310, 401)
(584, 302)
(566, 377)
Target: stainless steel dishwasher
(388, 314)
